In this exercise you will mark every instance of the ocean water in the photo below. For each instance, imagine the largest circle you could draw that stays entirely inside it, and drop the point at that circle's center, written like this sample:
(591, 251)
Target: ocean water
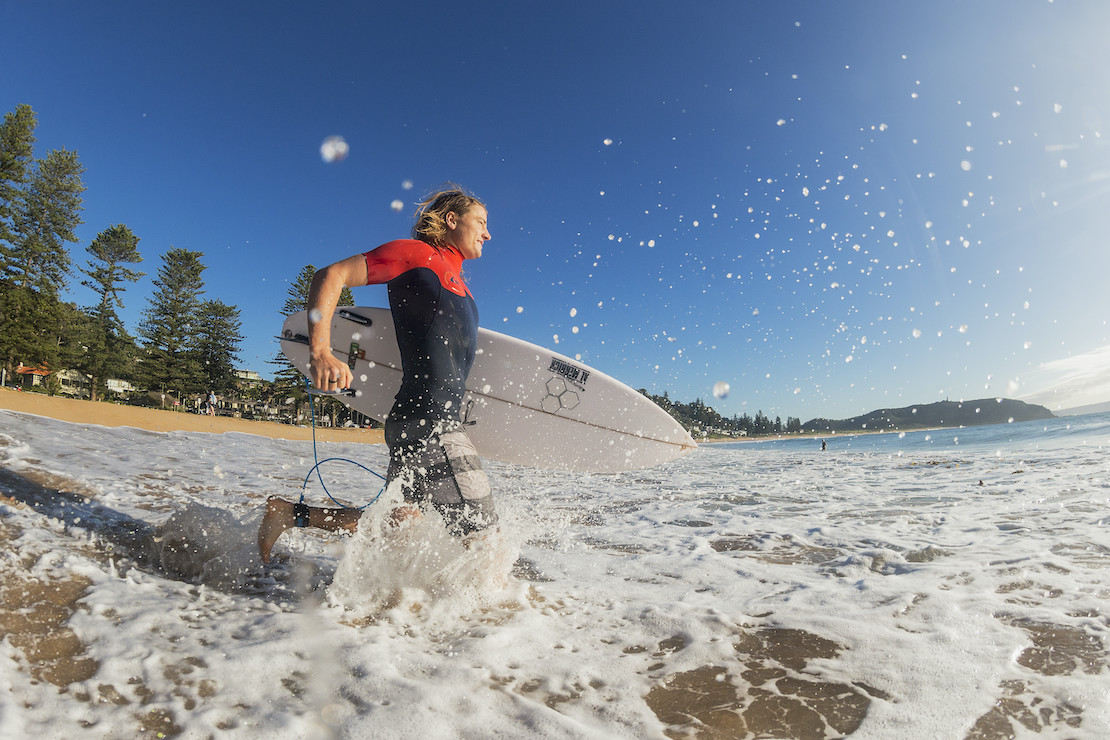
(1027, 436)
(946, 584)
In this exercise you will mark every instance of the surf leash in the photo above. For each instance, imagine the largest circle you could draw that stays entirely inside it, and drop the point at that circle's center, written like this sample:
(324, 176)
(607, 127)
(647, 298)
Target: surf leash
(316, 458)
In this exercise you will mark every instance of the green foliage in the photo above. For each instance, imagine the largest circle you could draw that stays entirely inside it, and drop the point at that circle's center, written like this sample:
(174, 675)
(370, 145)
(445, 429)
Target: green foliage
(110, 252)
(190, 346)
(170, 328)
(47, 211)
(17, 140)
(40, 206)
(78, 333)
(110, 349)
(28, 326)
(218, 340)
(702, 420)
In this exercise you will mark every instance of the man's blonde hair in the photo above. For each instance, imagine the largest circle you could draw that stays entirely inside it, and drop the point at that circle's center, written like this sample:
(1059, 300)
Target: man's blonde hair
(431, 214)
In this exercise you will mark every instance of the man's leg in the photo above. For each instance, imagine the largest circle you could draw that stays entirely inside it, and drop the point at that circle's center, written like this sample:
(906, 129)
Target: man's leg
(281, 515)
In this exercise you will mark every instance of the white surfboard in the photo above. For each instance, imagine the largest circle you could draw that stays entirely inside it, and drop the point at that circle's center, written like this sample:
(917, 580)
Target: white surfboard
(529, 405)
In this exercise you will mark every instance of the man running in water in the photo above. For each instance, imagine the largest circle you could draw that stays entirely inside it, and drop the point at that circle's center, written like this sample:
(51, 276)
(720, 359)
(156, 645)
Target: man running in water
(436, 321)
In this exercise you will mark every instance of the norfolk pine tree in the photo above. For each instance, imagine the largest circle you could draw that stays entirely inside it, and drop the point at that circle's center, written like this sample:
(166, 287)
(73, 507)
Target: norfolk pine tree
(48, 211)
(110, 348)
(170, 326)
(17, 141)
(40, 207)
(218, 341)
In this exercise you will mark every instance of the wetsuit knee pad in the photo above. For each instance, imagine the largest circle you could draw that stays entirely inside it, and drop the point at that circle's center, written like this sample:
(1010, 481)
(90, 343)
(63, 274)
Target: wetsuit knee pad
(444, 470)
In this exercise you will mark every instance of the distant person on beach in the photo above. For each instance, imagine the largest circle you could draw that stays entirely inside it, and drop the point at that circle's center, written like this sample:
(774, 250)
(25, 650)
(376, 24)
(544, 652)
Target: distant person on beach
(211, 403)
(436, 320)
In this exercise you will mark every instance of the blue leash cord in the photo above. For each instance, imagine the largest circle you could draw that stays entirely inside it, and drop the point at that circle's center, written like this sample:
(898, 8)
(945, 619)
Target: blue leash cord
(319, 462)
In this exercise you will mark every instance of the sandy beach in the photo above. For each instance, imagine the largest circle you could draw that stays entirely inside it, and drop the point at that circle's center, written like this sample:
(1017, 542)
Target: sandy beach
(157, 420)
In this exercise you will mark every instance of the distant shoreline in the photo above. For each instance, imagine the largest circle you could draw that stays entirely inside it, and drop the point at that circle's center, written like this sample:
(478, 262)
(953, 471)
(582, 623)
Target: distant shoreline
(821, 435)
(106, 414)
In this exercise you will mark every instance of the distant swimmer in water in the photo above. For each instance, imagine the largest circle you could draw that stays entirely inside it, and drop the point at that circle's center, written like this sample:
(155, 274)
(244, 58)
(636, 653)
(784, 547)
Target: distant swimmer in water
(436, 320)
(824, 445)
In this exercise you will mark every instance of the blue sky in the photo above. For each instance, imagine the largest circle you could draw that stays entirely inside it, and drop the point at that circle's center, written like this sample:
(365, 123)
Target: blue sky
(832, 207)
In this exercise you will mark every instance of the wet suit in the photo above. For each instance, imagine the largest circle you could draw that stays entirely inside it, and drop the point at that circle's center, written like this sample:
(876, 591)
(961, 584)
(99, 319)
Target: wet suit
(436, 321)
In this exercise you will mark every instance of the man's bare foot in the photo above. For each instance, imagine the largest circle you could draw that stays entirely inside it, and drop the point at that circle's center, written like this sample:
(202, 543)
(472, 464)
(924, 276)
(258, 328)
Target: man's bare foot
(404, 513)
(278, 518)
(481, 538)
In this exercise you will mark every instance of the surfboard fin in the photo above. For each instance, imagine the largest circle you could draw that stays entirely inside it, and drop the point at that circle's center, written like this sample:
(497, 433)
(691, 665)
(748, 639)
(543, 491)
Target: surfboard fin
(350, 392)
(355, 317)
(466, 420)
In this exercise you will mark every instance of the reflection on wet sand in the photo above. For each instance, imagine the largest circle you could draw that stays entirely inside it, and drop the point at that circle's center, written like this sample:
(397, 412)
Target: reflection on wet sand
(766, 693)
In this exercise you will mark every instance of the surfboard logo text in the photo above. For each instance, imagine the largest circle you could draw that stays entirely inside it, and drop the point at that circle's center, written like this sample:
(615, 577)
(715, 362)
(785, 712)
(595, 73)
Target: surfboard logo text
(574, 374)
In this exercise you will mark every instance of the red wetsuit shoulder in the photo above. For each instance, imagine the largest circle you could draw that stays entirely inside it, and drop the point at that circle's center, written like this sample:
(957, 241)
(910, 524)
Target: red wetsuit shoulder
(397, 257)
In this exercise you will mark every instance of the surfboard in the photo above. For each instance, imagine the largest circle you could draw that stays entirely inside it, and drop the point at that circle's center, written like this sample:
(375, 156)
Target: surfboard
(524, 404)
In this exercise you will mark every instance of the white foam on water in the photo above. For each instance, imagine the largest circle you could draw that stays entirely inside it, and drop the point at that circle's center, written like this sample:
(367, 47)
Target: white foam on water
(416, 566)
(924, 590)
(208, 545)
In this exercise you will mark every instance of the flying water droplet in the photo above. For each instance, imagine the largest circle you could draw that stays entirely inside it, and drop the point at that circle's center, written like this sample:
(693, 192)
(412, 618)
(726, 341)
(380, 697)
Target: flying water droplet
(334, 149)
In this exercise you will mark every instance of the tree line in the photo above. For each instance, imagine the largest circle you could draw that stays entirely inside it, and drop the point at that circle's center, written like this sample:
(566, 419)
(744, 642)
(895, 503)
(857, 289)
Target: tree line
(702, 420)
(185, 345)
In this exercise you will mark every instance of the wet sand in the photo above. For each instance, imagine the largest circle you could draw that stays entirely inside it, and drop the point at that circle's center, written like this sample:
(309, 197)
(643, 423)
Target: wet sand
(156, 420)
